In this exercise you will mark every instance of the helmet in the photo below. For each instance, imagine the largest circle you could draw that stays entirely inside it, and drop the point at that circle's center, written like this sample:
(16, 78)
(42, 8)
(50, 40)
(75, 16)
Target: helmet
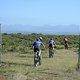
(51, 38)
(40, 38)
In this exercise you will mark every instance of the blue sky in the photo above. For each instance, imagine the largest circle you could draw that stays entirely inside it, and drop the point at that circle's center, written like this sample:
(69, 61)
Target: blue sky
(40, 12)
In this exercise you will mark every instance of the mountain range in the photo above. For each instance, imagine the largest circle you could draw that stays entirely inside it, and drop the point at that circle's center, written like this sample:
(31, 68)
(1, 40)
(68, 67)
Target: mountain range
(46, 29)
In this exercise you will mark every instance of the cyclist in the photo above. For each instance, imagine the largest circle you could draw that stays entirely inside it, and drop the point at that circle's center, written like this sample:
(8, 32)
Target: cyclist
(36, 47)
(66, 42)
(51, 48)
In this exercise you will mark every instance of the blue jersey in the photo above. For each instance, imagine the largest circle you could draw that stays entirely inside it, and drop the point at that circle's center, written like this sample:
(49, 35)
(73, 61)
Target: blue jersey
(51, 42)
(37, 44)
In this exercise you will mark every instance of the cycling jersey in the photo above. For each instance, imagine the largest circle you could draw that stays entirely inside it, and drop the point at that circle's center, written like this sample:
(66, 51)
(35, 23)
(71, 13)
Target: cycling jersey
(37, 44)
(51, 42)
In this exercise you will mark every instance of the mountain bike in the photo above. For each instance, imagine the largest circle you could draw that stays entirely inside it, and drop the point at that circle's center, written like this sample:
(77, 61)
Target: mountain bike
(66, 45)
(37, 59)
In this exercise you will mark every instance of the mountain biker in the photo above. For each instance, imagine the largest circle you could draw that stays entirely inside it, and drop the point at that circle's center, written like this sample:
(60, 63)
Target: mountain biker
(66, 42)
(51, 43)
(36, 47)
(51, 48)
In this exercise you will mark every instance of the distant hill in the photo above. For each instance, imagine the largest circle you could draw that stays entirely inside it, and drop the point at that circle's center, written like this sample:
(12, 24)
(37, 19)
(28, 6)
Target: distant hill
(46, 29)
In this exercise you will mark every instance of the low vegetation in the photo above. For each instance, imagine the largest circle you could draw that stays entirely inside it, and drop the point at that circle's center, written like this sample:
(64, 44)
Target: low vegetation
(17, 58)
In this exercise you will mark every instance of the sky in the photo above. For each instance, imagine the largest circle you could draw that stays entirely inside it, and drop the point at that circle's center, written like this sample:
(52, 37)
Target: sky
(40, 12)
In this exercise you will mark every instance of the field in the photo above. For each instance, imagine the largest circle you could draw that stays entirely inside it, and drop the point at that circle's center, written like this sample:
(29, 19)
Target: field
(19, 65)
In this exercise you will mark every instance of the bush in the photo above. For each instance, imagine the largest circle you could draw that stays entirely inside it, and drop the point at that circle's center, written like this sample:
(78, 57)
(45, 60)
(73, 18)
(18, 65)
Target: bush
(13, 42)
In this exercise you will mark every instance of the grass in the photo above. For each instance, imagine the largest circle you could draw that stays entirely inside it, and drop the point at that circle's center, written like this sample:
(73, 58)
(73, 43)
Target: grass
(61, 67)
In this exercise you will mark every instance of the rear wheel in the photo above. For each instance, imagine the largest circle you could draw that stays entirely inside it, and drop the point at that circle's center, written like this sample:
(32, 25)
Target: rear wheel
(36, 59)
(66, 46)
(51, 53)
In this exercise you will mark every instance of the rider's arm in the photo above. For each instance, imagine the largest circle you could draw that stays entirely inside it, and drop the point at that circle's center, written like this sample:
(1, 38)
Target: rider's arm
(43, 45)
(33, 45)
(54, 43)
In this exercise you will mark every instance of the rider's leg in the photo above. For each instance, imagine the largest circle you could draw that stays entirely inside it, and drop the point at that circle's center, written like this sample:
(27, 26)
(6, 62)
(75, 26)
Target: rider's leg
(66, 46)
(34, 58)
(49, 53)
(40, 57)
(35, 55)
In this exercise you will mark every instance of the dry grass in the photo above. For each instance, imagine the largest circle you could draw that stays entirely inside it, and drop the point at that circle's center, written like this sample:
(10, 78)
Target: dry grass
(61, 67)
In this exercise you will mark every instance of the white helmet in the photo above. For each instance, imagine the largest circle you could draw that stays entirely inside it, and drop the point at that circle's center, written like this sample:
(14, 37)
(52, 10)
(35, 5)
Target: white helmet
(40, 38)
